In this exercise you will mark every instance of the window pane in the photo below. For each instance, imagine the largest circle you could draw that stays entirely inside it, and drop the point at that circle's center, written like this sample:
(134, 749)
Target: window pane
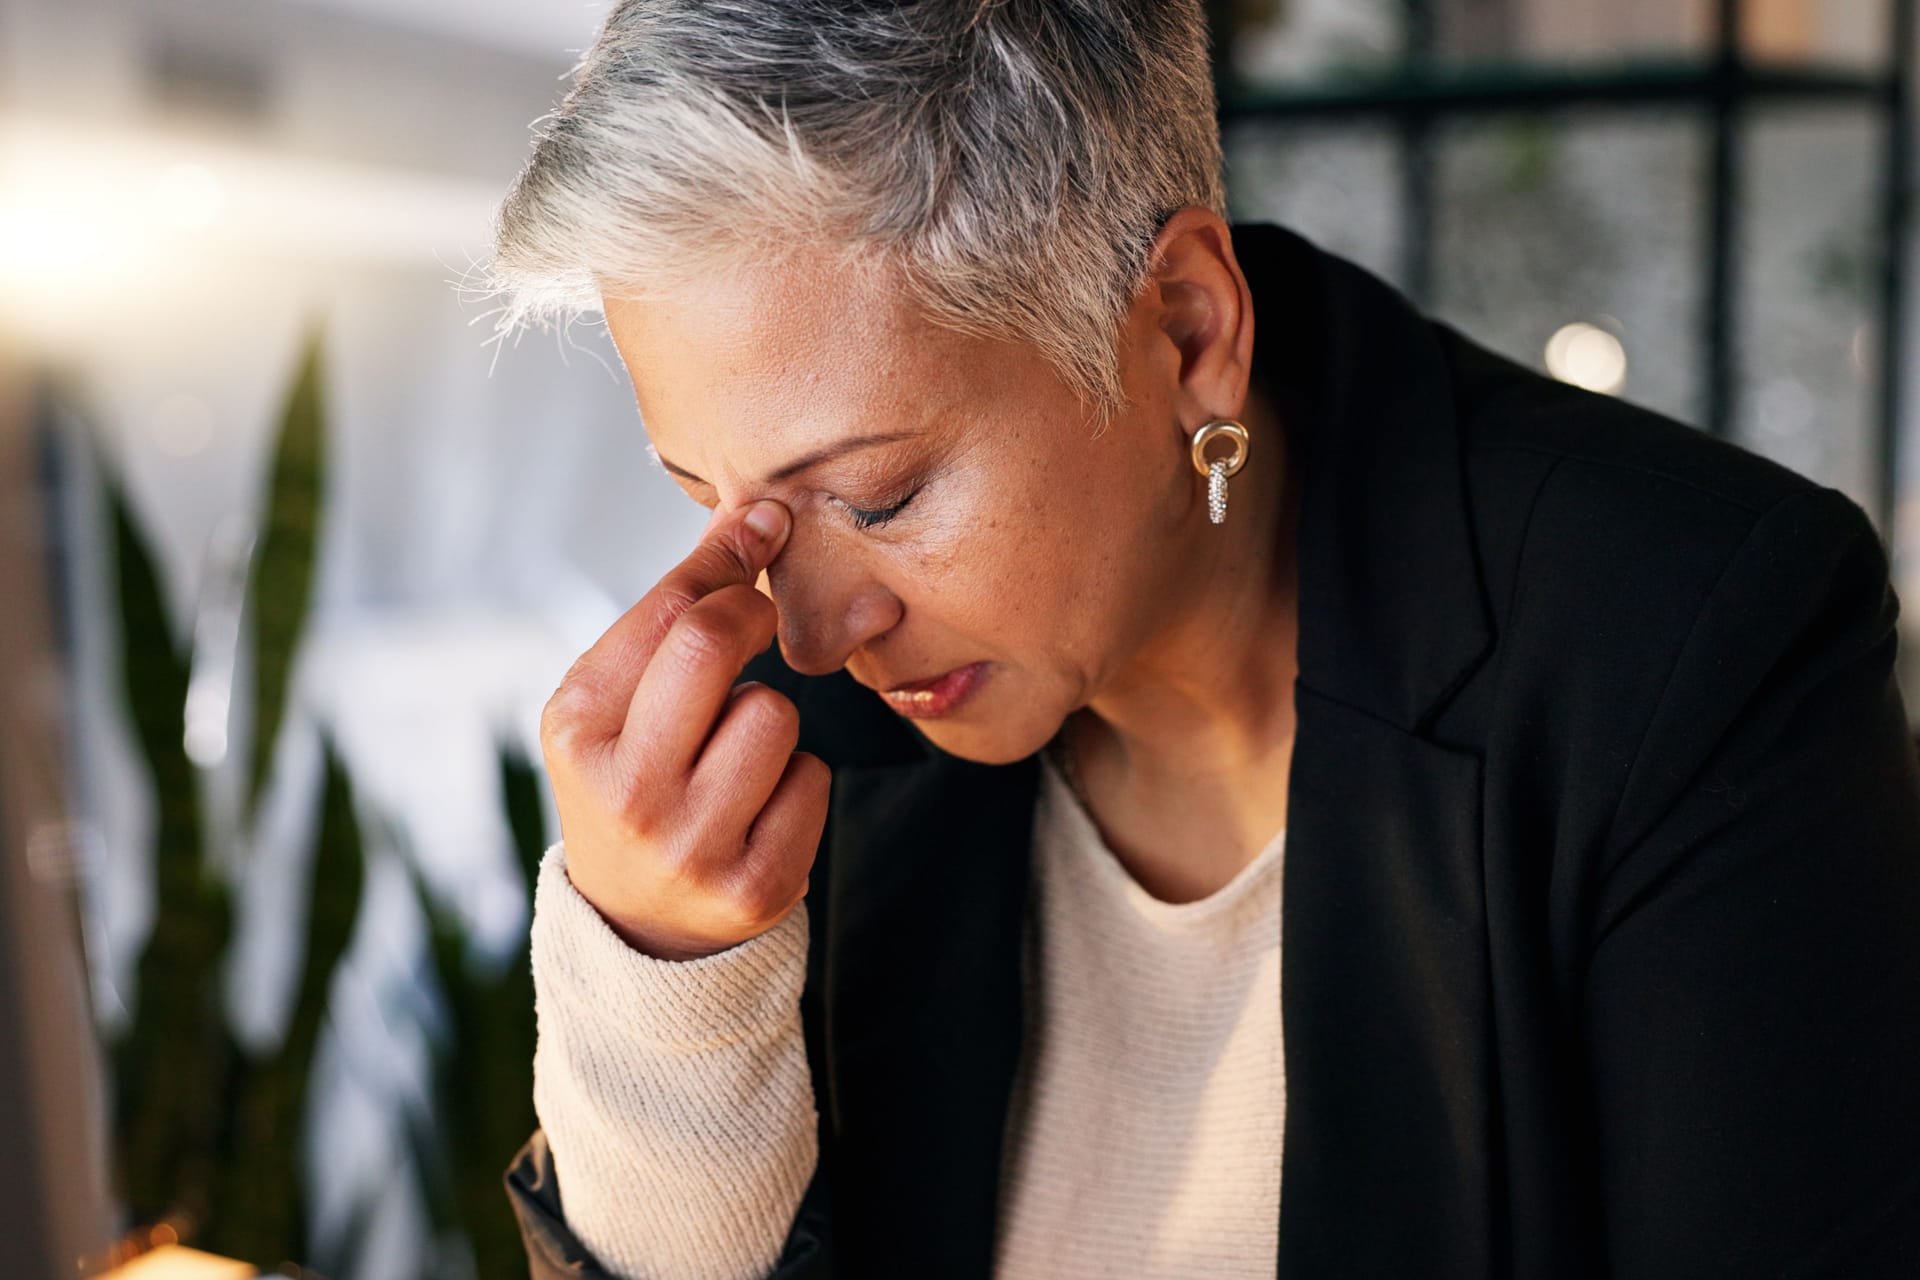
(1572, 30)
(1272, 43)
(1811, 277)
(1334, 184)
(1590, 221)
(1289, 43)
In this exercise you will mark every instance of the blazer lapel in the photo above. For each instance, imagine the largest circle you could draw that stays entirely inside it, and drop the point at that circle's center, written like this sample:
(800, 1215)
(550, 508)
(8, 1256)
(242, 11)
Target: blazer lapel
(1384, 1000)
(922, 1007)
(1387, 1165)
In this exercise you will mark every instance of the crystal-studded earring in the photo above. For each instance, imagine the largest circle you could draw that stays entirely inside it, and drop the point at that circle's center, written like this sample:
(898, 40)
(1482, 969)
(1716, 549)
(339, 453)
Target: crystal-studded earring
(1217, 470)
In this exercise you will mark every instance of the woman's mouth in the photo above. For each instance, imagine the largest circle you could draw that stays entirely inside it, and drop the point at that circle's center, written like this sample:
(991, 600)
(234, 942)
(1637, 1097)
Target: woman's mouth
(925, 699)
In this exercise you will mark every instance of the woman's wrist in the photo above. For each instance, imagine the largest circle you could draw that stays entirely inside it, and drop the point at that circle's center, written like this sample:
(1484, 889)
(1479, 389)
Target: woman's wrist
(582, 960)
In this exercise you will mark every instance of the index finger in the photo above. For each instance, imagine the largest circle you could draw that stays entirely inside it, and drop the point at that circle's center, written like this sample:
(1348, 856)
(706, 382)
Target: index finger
(735, 548)
(760, 583)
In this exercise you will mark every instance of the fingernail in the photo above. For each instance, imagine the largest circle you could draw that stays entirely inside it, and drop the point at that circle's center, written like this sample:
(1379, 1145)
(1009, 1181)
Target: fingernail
(768, 519)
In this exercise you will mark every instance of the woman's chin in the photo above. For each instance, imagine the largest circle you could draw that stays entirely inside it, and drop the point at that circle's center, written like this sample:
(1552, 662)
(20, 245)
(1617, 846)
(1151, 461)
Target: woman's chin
(986, 741)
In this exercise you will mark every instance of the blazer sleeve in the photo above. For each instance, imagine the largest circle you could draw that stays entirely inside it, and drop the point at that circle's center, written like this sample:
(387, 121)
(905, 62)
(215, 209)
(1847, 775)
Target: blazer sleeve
(1752, 998)
(553, 1252)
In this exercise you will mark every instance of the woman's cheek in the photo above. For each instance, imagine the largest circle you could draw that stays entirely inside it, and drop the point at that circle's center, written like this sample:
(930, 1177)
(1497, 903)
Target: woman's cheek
(940, 545)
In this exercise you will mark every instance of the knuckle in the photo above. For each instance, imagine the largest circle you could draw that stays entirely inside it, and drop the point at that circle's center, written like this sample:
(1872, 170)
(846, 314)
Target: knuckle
(770, 716)
(727, 627)
(759, 612)
(680, 862)
(732, 561)
(813, 776)
(744, 607)
(641, 805)
(671, 600)
(700, 640)
(560, 725)
(713, 564)
(674, 596)
(754, 901)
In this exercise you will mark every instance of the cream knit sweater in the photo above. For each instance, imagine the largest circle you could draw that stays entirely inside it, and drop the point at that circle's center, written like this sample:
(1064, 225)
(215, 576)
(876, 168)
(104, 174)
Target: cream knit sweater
(1144, 1137)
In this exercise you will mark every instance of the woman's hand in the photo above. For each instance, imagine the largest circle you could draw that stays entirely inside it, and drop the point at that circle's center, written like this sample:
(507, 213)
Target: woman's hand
(690, 821)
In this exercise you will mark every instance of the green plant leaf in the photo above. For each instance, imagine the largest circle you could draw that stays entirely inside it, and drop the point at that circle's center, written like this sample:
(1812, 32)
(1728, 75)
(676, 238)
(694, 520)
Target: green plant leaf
(263, 1200)
(280, 583)
(169, 1062)
(520, 786)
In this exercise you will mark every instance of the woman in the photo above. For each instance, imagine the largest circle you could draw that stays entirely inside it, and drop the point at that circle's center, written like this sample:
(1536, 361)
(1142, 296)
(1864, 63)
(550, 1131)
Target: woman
(947, 942)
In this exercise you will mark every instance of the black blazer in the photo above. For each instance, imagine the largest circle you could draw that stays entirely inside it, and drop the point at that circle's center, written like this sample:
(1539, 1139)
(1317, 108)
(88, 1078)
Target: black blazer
(1602, 890)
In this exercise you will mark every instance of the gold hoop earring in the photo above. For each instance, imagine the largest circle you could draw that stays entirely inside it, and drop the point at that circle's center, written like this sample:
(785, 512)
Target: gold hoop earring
(1217, 470)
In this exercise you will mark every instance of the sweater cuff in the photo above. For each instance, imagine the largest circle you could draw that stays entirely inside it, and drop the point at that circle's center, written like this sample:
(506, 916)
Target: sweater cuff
(750, 989)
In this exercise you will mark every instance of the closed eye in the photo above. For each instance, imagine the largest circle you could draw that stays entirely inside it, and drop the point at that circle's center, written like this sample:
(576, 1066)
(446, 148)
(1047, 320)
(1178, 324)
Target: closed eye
(861, 516)
(866, 519)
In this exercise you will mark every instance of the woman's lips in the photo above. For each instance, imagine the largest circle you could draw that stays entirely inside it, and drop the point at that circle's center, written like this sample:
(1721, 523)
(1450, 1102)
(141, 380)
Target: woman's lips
(936, 697)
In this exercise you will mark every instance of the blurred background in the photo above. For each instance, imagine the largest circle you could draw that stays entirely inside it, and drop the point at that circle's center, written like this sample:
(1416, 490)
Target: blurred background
(294, 555)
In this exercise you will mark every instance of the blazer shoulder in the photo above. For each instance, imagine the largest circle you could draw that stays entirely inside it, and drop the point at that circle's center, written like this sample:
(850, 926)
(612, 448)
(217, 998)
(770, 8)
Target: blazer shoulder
(1612, 540)
(841, 721)
(1649, 587)
(1504, 408)
(1585, 505)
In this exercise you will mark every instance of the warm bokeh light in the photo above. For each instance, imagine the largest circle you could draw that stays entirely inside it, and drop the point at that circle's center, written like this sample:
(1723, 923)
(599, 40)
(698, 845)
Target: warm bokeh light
(90, 220)
(1587, 356)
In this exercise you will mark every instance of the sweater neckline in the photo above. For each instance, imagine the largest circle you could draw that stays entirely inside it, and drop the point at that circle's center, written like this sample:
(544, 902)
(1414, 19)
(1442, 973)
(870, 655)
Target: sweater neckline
(1069, 821)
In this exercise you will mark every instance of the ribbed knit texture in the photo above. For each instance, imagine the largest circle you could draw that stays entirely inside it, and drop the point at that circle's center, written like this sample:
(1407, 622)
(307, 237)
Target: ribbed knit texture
(675, 1095)
(1144, 1139)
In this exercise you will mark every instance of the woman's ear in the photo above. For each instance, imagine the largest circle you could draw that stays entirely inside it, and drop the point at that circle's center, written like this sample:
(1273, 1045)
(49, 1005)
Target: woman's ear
(1205, 312)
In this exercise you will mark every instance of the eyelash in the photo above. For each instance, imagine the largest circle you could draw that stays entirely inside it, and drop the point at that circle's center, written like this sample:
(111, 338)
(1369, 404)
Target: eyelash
(871, 519)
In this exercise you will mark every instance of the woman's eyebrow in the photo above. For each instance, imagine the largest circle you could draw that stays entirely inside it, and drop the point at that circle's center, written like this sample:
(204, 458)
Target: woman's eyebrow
(824, 454)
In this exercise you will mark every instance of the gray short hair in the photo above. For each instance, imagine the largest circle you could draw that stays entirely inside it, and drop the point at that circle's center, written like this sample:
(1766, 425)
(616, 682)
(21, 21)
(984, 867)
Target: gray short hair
(1009, 161)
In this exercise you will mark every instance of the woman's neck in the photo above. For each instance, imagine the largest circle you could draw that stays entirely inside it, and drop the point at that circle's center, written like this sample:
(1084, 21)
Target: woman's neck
(1183, 757)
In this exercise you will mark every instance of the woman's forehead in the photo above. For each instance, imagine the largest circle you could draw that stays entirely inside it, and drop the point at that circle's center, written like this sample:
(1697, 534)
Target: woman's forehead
(794, 356)
(779, 328)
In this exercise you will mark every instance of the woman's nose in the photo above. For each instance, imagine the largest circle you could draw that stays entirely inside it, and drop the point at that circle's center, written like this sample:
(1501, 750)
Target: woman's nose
(825, 615)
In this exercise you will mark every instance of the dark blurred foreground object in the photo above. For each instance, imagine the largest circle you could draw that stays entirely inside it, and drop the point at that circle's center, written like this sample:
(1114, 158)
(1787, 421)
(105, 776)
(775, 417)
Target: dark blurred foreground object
(54, 1209)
